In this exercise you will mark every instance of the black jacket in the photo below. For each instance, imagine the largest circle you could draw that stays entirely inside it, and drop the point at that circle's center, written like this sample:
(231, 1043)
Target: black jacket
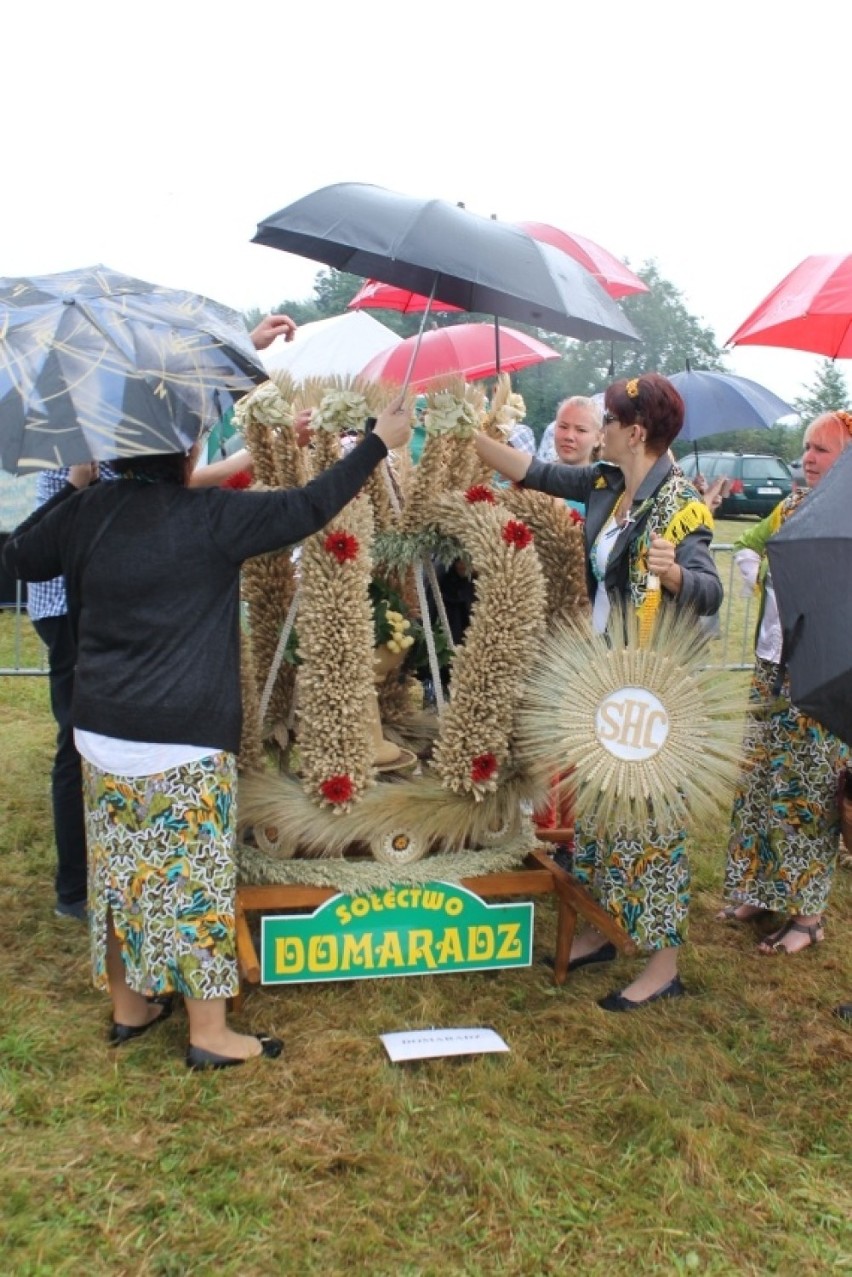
(599, 487)
(156, 595)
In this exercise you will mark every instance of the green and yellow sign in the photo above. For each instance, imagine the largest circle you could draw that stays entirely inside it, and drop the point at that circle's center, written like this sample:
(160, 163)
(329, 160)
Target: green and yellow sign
(426, 930)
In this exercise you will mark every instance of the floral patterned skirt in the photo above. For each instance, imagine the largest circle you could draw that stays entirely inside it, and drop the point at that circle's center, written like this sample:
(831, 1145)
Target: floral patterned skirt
(785, 824)
(643, 883)
(161, 861)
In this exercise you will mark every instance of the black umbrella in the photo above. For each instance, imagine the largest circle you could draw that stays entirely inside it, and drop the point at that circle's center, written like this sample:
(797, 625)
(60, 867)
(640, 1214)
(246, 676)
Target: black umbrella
(810, 558)
(442, 250)
(95, 364)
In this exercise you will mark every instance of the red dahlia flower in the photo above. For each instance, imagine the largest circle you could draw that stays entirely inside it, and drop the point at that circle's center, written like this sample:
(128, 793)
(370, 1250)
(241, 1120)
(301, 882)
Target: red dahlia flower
(337, 789)
(342, 545)
(517, 534)
(483, 767)
(479, 492)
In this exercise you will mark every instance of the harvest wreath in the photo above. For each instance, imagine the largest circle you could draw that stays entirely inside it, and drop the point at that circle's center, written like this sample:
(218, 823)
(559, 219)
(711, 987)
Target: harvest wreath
(314, 806)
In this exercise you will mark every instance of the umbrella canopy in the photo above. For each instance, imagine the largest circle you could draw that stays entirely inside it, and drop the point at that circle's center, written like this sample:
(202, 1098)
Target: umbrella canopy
(374, 295)
(441, 250)
(466, 349)
(613, 276)
(718, 401)
(811, 309)
(335, 347)
(95, 365)
(810, 559)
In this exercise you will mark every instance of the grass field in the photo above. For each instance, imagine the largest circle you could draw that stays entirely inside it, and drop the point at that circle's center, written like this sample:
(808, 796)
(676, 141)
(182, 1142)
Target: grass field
(710, 1135)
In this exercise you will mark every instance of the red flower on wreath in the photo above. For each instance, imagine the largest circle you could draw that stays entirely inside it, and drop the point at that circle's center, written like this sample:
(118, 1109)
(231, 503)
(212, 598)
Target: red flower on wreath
(517, 534)
(575, 516)
(342, 545)
(483, 768)
(242, 479)
(337, 789)
(478, 493)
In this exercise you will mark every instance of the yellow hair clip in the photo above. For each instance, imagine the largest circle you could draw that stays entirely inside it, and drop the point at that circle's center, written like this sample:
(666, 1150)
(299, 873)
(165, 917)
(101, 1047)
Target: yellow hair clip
(632, 388)
(846, 420)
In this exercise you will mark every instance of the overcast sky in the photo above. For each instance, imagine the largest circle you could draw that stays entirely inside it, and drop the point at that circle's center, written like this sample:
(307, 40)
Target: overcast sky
(154, 137)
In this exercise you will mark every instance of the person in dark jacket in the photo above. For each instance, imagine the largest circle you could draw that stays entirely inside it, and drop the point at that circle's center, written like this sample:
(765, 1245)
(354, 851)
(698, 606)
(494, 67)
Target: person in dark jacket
(48, 611)
(152, 571)
(648, 537)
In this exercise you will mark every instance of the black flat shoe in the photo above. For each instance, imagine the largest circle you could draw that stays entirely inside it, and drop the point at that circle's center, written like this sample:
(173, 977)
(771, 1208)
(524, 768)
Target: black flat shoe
(197, 1058)
(617, 1001)
(844, 1011)
(606, 953)
(121, 1033)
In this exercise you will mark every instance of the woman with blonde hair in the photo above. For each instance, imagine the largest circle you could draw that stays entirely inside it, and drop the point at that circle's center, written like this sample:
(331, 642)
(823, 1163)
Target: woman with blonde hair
(785, 824)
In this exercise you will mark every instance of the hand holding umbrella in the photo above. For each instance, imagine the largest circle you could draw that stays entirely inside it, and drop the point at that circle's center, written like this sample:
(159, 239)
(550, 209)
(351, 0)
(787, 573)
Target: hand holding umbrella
(394, 424)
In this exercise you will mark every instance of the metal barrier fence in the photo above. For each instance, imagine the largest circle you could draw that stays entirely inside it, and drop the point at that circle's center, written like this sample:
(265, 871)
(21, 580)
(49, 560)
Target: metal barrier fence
(731, 648)
(21, 636)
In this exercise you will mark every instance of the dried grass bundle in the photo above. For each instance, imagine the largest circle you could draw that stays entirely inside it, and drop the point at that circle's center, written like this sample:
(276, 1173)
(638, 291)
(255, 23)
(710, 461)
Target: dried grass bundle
(336, 638)
(560, 547)
(489, 667)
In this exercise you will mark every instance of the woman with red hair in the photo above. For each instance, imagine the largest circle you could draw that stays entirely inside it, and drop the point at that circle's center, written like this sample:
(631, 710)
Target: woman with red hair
(648, 539)
(785, 825)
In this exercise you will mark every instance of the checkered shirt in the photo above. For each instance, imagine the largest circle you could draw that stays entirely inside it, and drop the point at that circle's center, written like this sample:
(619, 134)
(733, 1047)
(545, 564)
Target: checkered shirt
(47, 598)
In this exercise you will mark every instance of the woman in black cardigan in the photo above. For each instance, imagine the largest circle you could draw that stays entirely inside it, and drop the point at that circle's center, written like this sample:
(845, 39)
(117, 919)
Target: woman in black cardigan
(152, 570)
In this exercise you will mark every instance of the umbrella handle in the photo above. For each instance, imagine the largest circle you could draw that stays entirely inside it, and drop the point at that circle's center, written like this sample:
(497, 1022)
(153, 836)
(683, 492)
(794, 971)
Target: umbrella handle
(420, 330)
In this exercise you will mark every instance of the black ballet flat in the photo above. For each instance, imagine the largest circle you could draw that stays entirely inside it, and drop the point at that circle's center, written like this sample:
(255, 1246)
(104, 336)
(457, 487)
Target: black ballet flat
(606, 953)
(121, 1033)
(617, 1002)
(197, 1058)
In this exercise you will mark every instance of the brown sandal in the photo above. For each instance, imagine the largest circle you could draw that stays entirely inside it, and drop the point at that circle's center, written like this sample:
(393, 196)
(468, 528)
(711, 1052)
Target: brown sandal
(772, 944)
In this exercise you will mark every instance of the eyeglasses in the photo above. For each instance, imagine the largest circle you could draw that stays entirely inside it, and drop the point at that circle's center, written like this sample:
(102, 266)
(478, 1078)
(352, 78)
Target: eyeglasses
(609, 418)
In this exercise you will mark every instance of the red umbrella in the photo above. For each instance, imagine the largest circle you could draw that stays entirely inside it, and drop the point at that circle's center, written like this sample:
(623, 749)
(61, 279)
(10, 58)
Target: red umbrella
(465, 349)
(613, 276)
(809, 310)
(374, 295)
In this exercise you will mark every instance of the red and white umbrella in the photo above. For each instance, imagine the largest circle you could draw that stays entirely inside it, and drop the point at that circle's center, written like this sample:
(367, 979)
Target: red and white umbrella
(811, 309)
(467, 350)
(613, 276)
(374, 295)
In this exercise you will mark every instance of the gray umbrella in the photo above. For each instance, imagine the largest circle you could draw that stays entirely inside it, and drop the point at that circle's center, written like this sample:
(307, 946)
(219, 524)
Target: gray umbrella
(95, 364)
(442, 250)
(810, 558)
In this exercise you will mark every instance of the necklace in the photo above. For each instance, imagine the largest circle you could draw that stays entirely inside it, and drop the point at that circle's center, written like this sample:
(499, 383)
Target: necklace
(612, 528)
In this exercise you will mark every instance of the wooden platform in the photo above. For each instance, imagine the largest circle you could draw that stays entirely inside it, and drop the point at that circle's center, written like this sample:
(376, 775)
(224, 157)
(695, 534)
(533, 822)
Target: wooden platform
(537, 876)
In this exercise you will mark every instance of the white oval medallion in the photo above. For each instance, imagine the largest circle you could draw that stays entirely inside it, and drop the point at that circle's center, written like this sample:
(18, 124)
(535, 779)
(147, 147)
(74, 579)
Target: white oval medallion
(632, 724)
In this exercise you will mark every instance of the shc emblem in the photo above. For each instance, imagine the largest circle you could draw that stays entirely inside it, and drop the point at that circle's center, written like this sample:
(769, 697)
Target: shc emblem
(632, 724)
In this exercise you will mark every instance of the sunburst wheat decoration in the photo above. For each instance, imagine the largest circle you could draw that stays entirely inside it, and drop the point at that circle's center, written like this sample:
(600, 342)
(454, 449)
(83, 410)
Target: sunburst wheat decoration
(648, 730)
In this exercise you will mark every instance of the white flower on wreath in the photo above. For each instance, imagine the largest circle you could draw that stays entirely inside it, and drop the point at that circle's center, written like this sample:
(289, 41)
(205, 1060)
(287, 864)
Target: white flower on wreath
(447, 414)
(509, 414)
(266, 405)
(341, 411)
